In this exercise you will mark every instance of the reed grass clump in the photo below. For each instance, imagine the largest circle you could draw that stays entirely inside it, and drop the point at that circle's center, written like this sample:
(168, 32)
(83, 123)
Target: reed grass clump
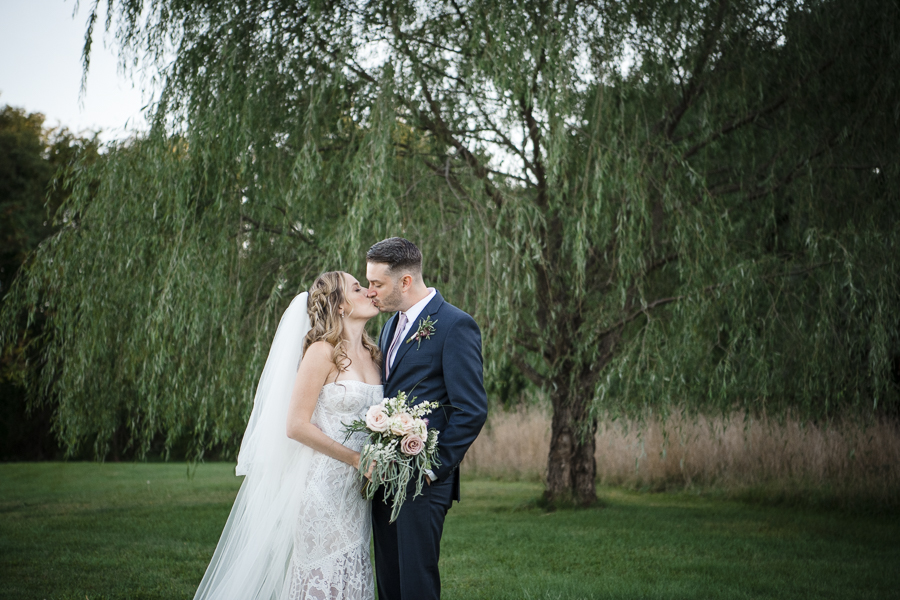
(843, 461)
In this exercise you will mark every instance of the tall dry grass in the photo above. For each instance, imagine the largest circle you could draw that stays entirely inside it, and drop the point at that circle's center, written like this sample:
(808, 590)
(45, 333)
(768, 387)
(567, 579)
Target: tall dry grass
(844, 460)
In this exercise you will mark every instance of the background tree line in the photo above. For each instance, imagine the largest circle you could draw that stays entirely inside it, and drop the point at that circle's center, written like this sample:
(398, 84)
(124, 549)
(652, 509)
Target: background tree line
(648, 206)
(31, 157)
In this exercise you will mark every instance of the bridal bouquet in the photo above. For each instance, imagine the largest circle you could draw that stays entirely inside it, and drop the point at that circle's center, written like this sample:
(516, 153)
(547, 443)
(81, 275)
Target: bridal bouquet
(400, 443)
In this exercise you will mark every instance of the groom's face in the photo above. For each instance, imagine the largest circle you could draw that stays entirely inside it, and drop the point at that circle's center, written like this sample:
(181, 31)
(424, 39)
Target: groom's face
(384, 289)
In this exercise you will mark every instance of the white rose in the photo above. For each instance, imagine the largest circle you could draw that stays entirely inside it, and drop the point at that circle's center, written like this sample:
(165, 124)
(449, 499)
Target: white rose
(376, 419)
(402, 424)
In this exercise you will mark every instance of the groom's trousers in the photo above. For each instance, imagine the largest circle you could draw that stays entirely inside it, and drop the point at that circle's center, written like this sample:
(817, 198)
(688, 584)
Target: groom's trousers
(407, 551)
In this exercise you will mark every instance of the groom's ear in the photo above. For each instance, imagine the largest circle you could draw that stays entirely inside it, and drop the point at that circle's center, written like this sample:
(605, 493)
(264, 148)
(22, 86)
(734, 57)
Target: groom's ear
(406, 282)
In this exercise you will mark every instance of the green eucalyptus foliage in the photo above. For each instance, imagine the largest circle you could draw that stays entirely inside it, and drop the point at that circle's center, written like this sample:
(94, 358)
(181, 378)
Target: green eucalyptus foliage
(659, 205)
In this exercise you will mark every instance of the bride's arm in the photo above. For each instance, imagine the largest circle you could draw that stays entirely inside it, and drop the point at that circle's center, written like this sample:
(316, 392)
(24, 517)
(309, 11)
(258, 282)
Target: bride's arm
(311, 376)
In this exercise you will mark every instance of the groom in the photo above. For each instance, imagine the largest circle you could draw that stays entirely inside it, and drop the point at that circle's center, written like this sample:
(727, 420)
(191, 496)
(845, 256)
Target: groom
(444, 367)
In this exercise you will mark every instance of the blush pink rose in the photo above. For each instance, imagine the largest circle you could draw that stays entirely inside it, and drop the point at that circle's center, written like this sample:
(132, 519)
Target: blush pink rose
(376, 419)
(402, 424)
(411, 444)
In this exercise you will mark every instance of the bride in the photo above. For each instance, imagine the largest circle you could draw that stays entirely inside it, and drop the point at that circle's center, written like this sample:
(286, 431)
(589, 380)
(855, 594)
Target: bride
(299, 528)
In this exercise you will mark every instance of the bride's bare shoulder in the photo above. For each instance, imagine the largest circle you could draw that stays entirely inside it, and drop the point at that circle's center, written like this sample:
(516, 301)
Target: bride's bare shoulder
(319, 351)
(317, 363)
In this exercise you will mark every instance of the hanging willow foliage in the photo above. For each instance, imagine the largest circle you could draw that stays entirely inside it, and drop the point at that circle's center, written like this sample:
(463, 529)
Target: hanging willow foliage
(659, 205)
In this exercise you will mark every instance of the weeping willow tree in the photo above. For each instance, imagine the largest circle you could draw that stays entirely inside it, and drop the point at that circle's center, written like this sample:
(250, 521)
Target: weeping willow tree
(648, 206)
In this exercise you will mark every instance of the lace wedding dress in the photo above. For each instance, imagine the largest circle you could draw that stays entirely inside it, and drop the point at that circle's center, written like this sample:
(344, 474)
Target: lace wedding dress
(299, 527)
(331, 537)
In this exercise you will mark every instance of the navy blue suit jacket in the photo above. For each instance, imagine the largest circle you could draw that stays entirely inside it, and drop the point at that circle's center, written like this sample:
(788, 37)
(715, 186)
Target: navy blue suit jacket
(447, 368)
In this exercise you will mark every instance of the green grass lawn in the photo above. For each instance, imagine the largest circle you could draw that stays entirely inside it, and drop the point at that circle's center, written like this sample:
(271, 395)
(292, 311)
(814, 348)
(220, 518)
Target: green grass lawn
(87, 530)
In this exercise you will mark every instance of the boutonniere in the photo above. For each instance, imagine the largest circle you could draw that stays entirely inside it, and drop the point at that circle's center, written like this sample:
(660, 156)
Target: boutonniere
(424, 332)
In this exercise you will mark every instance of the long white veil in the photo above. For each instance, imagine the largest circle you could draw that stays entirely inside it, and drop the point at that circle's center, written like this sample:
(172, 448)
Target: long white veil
(252, 560)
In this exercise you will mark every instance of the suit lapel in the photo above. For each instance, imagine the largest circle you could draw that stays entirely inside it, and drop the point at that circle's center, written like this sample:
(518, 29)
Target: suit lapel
(431, 309)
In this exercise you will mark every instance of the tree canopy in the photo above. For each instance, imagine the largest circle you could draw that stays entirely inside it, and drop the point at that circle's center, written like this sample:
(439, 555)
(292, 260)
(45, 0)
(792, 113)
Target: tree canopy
(648, 206)
(31, 155)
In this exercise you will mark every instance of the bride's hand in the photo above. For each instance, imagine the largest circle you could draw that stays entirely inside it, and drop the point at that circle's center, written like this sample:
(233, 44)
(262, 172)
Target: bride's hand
(368, 474)
(371, 470)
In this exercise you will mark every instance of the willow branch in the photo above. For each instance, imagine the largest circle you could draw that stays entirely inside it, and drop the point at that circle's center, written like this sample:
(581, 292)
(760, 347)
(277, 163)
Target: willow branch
(440, 128)
(660, 263)
(735, 124)
(276, 230)
(527, 345)
(452, 181)
(462, 17)
(527, 370)
(663, 301)
(350, 62)
(695, 87)
(534, 132)
(753, 116)
(792, 174)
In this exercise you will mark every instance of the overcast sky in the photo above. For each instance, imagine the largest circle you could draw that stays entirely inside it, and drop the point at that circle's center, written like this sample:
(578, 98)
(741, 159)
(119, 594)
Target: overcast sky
(40, 69)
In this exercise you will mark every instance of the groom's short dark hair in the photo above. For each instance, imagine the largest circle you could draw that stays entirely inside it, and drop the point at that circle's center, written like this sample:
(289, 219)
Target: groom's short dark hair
(398, 253)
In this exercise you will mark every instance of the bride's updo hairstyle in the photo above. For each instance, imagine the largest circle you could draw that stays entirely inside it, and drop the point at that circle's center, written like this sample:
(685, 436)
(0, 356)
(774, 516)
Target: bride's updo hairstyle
(326, 324)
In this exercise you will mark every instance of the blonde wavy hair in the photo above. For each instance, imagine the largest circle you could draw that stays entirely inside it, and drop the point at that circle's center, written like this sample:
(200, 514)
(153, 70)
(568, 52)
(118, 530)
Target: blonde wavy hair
(325, 297)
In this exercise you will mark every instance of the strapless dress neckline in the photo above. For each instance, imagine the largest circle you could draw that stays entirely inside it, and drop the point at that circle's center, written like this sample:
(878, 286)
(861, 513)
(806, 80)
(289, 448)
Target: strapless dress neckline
(345, 381)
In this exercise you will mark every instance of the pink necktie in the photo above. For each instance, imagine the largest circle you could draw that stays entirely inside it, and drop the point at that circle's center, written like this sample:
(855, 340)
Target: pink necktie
(401, 325)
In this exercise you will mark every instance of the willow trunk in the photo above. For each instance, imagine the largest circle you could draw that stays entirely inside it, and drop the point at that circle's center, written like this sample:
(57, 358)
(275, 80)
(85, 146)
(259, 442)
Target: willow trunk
(571, 467)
